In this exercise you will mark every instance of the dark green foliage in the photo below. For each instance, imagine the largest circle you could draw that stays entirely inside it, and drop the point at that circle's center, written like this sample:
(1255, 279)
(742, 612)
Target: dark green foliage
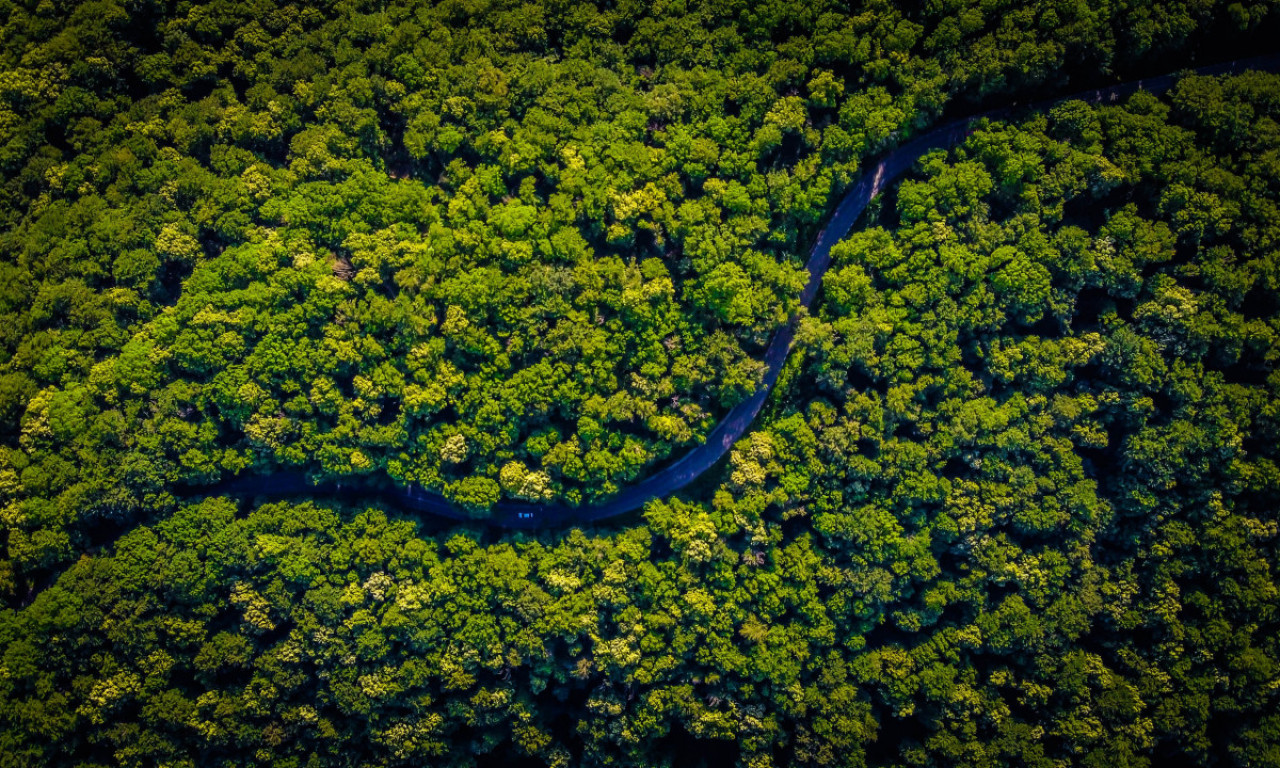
(456, 244)
(1015, 503)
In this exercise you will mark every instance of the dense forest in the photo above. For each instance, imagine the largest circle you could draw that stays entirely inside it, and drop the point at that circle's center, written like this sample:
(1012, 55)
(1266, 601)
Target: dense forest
(1013, 502)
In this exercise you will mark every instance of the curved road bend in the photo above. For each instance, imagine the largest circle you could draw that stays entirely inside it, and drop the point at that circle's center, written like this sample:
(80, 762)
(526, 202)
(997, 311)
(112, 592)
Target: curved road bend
(518, 514)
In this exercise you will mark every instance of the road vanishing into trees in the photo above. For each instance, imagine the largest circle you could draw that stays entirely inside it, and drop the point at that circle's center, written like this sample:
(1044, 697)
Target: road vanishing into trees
(682, 472)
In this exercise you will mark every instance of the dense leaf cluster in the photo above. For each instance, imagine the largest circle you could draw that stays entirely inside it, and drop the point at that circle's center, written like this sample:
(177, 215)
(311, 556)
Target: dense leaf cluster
(1015, 507)
(1014, 502)
(498, 249)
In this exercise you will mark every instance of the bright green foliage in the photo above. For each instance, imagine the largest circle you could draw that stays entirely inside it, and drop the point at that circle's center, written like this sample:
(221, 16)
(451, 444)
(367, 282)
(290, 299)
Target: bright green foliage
(1013, 504)
(1020, 513)
(242, 237)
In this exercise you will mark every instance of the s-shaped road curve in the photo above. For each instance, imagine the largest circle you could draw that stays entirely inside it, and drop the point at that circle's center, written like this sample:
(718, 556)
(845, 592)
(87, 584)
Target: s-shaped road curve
(517, 514)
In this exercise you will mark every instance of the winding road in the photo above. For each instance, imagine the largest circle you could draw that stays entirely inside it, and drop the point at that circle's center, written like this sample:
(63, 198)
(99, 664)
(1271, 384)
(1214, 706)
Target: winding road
(674, 477)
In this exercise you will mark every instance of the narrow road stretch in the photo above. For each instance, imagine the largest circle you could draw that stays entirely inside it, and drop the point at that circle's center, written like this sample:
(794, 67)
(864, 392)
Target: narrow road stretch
(517, 514)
